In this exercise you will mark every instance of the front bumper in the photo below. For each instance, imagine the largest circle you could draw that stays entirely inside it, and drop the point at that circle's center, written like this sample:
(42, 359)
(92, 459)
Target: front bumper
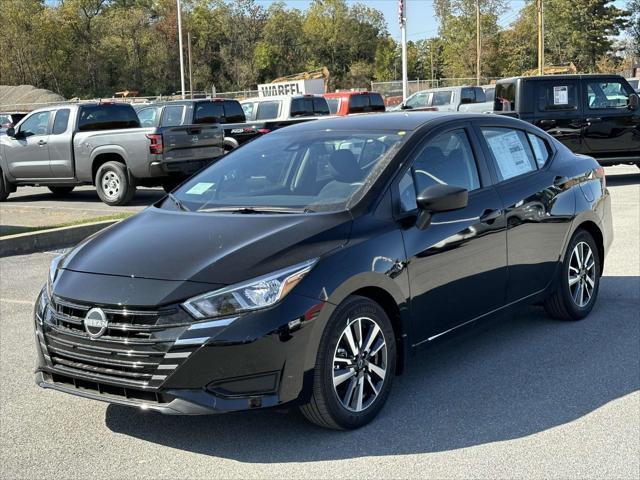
(231, 364)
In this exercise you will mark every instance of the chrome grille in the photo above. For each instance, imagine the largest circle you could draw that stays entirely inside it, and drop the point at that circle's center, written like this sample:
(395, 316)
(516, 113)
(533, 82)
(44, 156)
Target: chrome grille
(129, 353)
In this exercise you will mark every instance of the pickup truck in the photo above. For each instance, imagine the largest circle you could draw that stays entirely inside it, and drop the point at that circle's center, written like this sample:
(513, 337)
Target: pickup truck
(282, 110)
(348, 103)
(596, 115)
(483, 107)
(224, 111)
(101, 144)
(443, 99)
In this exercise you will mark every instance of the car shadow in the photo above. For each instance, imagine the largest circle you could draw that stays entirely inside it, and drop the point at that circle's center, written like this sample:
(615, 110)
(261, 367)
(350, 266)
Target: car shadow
(505, 379)
(621, 180)
(143, 197)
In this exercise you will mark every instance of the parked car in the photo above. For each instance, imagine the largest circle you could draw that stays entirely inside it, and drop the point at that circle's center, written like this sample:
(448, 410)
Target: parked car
(224, 111)
(346, 103)
(101, 144)
(597, 115)
(482, 107)
(444, 99)
(283, 110)
(9, 119)
(310, 276)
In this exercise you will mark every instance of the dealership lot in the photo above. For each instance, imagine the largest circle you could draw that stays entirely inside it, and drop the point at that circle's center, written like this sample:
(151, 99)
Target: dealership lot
(523, 397)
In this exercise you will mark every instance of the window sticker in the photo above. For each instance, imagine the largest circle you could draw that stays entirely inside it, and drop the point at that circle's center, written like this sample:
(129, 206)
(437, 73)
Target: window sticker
(510, 154)
(561, 95)
(199, 188)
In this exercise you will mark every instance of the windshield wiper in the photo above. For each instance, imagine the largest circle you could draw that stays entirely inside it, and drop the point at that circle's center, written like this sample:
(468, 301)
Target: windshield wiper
(256, 209)
(178, 203)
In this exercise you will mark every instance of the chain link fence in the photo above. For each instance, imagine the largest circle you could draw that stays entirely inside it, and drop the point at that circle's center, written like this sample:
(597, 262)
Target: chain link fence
(394, 88)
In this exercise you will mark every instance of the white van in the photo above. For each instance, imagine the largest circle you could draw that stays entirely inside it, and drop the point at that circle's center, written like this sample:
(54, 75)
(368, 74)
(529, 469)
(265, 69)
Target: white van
(285, 107)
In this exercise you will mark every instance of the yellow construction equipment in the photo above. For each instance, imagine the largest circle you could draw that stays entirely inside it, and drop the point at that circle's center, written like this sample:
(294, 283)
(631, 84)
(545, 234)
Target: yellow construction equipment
(310, 75)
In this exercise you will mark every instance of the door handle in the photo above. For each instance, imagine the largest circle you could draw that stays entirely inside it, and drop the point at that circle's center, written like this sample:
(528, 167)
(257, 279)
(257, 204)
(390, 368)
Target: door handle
(41, 142)
(490, 215)
(591, 120)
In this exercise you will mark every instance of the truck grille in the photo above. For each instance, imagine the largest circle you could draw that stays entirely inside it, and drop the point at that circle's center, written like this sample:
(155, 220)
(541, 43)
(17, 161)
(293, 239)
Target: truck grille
(128, 354)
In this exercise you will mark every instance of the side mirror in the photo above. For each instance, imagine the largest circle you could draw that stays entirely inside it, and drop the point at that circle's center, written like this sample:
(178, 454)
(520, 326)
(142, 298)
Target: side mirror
(634, 102)
(11, 132)
(404, 106)
(439, 198)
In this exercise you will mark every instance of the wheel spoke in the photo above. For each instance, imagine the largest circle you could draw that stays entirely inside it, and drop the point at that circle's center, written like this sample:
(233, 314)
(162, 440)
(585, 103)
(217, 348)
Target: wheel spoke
(376, 349)
(346, 400)
(373, 333)
(380, 372)
(359, 334)
(590, 281)
(588, 257)
(360, 394)
(581, 293)
(352, 344)
(573, 280)
(373, 387)
(342, 375)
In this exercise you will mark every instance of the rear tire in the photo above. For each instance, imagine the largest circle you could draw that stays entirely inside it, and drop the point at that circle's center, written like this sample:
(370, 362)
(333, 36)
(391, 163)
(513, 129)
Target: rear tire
(113, 184)
(579, 280)
(61, 191)
(354, 368)
(4, 188)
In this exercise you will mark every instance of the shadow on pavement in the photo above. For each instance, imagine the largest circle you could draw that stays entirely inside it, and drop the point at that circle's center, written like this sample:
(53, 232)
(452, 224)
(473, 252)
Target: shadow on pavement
(623, 179)
(143, 197)
(505, 379)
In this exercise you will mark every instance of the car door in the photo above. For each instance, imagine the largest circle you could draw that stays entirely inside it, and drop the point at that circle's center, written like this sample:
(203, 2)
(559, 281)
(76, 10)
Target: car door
(538, 209)
(558, 110)
(610, 127)
(28, 152)
(457, 265)
(61, 144)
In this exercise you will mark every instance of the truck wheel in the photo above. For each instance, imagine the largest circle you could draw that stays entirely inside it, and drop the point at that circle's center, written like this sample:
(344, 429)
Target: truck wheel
(579, 280)
(61, 191)
(4, 188)
(354, 368)
(113, 184)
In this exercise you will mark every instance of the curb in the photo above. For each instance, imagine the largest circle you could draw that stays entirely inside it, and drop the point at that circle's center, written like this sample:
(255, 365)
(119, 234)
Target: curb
(30, 242)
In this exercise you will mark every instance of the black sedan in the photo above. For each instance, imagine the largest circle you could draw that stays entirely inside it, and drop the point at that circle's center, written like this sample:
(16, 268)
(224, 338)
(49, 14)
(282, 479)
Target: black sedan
(306, 267)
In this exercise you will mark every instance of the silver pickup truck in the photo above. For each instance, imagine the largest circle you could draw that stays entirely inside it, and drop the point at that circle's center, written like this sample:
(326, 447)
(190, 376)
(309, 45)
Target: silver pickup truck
(101, 144)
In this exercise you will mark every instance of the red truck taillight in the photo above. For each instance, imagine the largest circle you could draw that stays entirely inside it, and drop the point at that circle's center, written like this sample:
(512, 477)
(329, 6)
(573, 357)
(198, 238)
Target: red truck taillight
(156, 143)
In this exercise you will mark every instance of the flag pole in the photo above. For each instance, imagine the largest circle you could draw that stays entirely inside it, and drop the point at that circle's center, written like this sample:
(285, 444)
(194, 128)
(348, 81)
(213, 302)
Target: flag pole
(180, 47)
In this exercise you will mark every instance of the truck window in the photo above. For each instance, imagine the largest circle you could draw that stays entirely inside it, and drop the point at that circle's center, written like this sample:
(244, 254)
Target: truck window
(320, 106)
(505, 97)
(233, 112)
(301, 107)
(334, 104)
(61, 121)
(247, 108)
(172, 116)
(209, 112)
(107, 117)
(441, 98)
(510, 150)
(268, 110)
(558, 95)
(603, 95)
(488, 94)
(377, 102)
(418, 100)
(358, 103)
(148, 116)
(36, 124)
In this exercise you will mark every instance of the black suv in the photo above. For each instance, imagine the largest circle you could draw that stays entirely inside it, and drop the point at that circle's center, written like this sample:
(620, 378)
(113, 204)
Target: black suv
(596, 115)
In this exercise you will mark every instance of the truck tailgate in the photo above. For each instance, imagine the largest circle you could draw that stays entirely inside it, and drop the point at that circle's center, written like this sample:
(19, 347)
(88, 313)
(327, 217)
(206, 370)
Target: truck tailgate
(192, 142)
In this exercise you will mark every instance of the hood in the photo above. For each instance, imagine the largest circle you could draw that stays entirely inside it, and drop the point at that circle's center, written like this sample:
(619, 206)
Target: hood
(216, 248)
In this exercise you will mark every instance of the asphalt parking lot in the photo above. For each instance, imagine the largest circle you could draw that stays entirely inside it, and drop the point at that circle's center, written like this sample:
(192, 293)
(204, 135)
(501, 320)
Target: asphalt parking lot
(523, 396)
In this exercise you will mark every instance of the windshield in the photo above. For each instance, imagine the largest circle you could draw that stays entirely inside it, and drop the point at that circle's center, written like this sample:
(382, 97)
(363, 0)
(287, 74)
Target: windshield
(301, 172)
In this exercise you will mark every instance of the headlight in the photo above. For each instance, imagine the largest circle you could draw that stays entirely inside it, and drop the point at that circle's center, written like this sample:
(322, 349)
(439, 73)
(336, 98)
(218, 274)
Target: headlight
(254, 294)
(53, 270)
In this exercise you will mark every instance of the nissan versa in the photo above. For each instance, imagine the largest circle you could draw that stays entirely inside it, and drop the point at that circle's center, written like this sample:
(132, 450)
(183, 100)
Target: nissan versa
(305, 267)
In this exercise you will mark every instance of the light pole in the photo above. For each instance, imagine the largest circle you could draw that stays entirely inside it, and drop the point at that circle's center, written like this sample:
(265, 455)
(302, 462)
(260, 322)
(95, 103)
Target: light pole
(478, 43)
(402, 10)
(180, 47)
(540, 10)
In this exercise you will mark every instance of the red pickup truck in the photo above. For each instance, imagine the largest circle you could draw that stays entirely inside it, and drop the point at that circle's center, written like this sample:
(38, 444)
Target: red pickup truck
(346, 103)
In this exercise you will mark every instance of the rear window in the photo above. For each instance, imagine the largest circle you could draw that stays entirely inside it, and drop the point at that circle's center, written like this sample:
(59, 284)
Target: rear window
(309, 106)
(172, 116)
(377, 102)
(233, 112)
(560, 95)
(60, 121)
(209, 112)
(366, 103)
(441, 98)
(505, 97)
(268, 110)
(107, 117)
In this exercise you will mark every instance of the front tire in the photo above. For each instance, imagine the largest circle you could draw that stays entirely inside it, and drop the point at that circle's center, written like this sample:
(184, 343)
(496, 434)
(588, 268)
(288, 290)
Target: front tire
(61, 191)
(113, 184)
(4, 188)
(354, 368)
(579, 280)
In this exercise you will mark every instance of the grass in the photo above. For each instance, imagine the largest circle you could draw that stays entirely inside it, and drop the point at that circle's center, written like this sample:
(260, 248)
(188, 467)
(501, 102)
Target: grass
(6, 230)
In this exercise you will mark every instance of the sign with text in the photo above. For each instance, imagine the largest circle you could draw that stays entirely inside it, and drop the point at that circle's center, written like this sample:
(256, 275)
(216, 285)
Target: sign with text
(295, 87)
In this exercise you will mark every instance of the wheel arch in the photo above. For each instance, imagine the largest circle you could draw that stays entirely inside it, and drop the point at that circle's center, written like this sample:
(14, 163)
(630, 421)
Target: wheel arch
(102, 157)
(595, 231)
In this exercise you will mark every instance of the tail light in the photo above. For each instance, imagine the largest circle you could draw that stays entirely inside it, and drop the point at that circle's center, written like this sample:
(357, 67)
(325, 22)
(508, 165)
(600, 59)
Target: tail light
(263, 130)
(156, 143)
(602, 176)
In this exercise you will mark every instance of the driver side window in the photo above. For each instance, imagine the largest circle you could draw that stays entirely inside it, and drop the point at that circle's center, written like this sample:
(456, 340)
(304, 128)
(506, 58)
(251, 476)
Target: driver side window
(447, 159)
(37, 124)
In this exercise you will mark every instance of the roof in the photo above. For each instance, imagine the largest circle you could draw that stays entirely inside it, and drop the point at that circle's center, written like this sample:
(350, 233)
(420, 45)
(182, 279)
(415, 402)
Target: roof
(348, 93)
(281, 97)
(380, 121)
(577, 76)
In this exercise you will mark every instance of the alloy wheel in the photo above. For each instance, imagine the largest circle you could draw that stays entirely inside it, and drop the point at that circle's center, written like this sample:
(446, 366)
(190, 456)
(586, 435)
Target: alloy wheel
(359, 364)
(582, 274)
